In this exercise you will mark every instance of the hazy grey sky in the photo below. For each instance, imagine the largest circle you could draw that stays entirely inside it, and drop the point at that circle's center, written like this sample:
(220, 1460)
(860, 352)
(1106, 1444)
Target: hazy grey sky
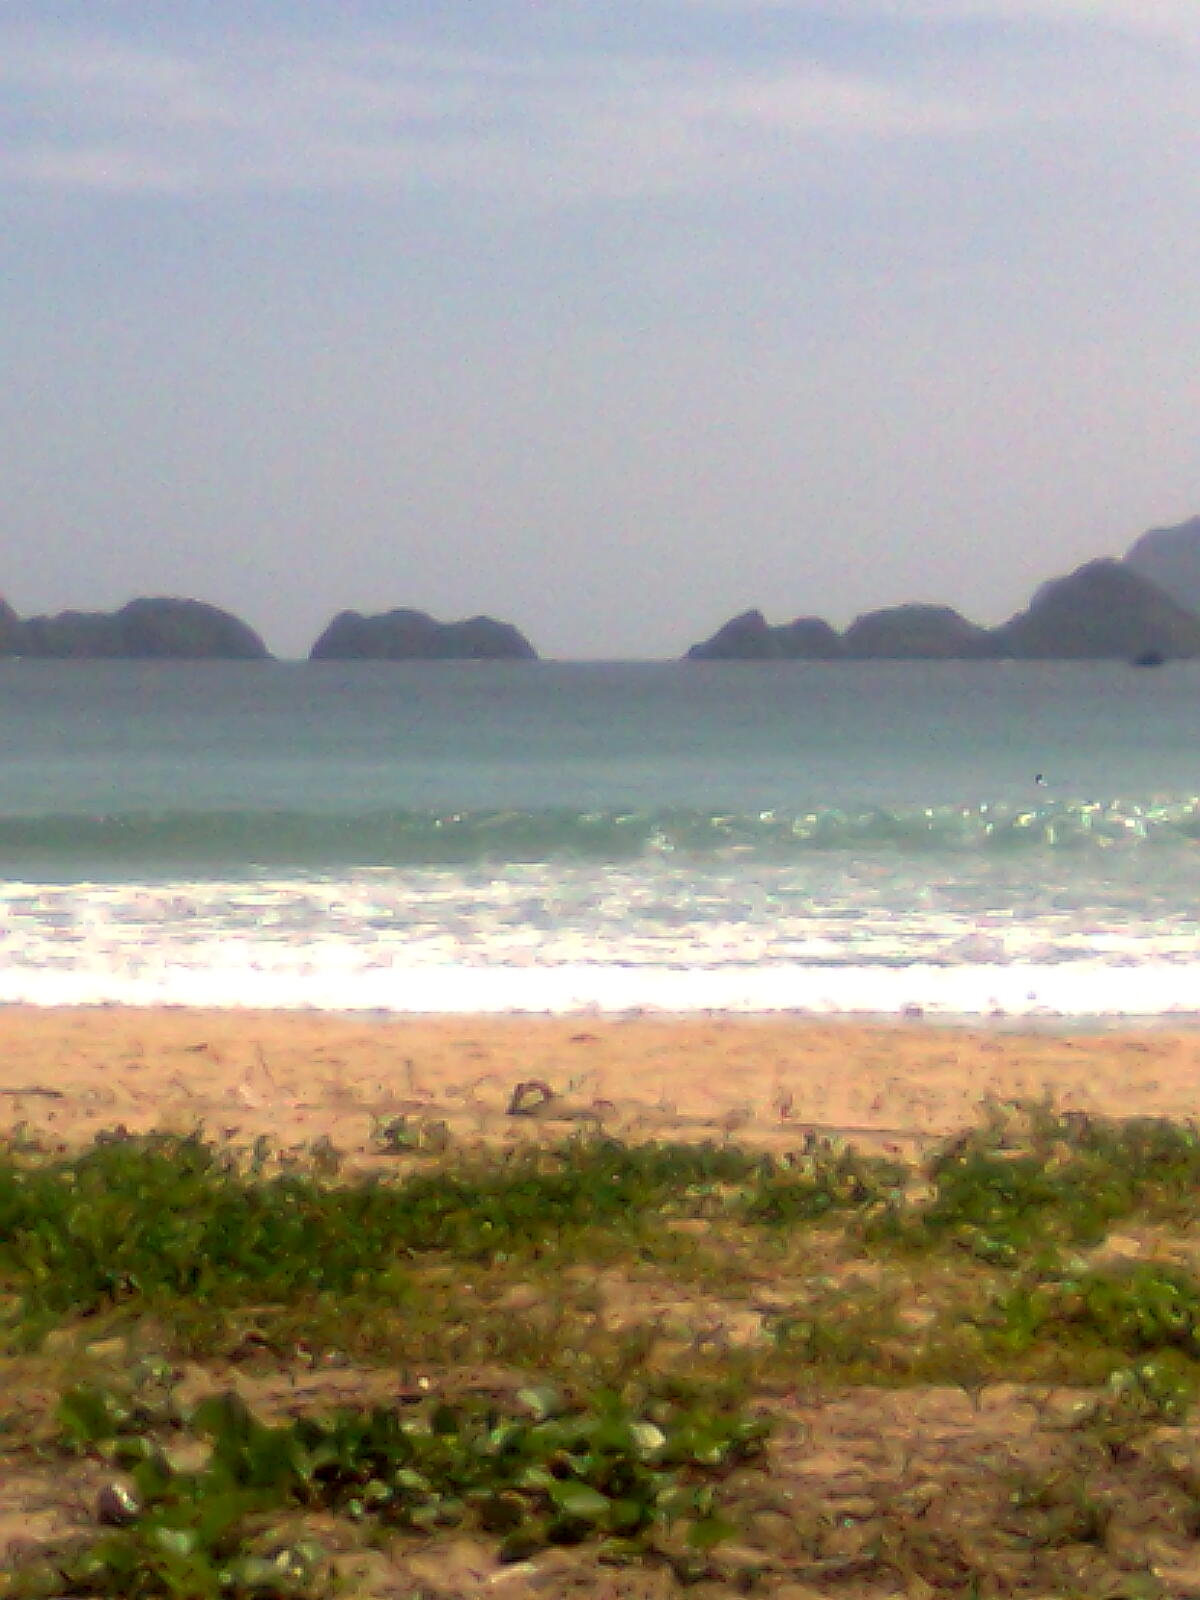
(609, 318)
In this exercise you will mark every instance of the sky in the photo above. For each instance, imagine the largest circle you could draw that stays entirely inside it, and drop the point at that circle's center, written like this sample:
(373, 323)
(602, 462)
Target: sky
(611, 318)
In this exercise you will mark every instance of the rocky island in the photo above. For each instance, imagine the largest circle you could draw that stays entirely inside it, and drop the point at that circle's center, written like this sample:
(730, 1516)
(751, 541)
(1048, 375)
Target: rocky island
(1103, 611)
(750, 637)
(160, 628)
(406, 635)
(1106, 610)
(917, 633)
(1143, 608)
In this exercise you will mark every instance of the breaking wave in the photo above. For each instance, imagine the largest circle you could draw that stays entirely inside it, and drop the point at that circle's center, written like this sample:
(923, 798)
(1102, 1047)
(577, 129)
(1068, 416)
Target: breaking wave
(322, 840)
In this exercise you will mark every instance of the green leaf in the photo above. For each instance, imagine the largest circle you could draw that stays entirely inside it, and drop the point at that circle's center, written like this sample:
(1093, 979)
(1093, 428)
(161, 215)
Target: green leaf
(174, 1541)
(647, 1438)
(88, 1415)
(627, 1514)
(582, 1501)
(709, 1531)
(522, 1543)
(444, 1420)
(542, 1401)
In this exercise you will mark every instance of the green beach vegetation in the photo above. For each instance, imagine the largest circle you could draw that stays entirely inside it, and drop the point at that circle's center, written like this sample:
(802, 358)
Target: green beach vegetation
(610, 1368)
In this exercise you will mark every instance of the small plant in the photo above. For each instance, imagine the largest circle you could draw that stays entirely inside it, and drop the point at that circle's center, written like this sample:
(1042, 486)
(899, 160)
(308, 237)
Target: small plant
(410, 1136)
(838, 1332)
(1147, 1307)
(822, 1178)
(1060, 1508)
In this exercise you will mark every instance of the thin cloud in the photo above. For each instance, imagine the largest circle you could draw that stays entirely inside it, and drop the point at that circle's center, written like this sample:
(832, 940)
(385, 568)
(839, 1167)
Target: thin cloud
(1164, 19)
(105, 116)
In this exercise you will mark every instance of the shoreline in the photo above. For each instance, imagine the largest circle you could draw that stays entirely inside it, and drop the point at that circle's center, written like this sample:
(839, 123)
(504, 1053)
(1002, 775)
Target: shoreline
(302, 1077)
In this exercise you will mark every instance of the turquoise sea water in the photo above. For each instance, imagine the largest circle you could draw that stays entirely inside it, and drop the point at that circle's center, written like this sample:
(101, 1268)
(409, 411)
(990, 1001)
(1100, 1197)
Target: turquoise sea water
(864, 837)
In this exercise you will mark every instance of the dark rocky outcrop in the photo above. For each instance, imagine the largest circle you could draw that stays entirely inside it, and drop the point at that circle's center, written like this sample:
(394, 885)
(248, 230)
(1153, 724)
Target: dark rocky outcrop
(900, 633)
(145, 629)
(1102, 611)
(918, 633)
(187, 629)
(747, 637)
(10, 629)
(750, 637)
(808, 639)
(72, 635)
(1170, 559)
(415, 636)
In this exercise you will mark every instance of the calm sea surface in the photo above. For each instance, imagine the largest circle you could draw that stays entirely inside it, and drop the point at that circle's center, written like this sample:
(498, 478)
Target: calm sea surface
(821, 837)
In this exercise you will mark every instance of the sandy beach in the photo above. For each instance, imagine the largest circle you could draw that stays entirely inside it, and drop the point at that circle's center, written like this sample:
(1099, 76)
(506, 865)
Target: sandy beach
(301, 1077)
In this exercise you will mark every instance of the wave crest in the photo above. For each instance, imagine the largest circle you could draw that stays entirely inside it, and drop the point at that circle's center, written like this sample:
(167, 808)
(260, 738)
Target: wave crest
(317, 840)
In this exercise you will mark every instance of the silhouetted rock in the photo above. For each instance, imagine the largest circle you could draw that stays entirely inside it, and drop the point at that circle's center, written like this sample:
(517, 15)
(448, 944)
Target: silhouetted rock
(72, 635)
(1170, 559)
(917, 632)
(11, 630)
(187, 629)
(808, 639)
(158, 629)
(750, 637)
(415, 636)
(1103, 611)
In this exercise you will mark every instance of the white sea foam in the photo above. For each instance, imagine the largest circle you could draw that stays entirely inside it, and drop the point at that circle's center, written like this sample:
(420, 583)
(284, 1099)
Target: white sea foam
(537, 938)
(328, 984)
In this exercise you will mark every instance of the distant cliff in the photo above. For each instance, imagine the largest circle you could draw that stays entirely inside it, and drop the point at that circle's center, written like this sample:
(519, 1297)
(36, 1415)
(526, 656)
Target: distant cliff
(415, 636)
(1170, 558)
(145, 629)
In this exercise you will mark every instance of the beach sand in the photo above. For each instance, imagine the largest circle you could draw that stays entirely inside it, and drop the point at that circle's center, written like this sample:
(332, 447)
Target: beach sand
(302, 1077)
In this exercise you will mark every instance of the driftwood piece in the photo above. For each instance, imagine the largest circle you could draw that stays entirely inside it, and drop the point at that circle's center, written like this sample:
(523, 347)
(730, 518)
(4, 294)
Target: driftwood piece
(533, 1097)
(530, 1097)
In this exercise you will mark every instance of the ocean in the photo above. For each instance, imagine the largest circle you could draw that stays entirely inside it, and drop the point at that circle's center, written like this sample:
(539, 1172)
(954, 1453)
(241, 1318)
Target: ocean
(991, 839)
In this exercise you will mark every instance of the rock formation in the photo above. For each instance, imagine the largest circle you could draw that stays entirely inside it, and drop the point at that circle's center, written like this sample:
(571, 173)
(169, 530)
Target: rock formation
(917, 632)
(188, 629)
(899, 633)
(1104, 610)
(10, 629)
(750, 637)
(415, 636)
(160, 629)
(808, 639)
(1170, 559)
(72, 635)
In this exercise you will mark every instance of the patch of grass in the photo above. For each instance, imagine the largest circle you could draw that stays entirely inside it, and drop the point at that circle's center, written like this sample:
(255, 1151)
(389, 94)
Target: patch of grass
(1030, 1180)
(640, 1478)
(648, 1303)
(847, 1334)
(822, 1178)
(1136, 1309)
(168, 1218)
